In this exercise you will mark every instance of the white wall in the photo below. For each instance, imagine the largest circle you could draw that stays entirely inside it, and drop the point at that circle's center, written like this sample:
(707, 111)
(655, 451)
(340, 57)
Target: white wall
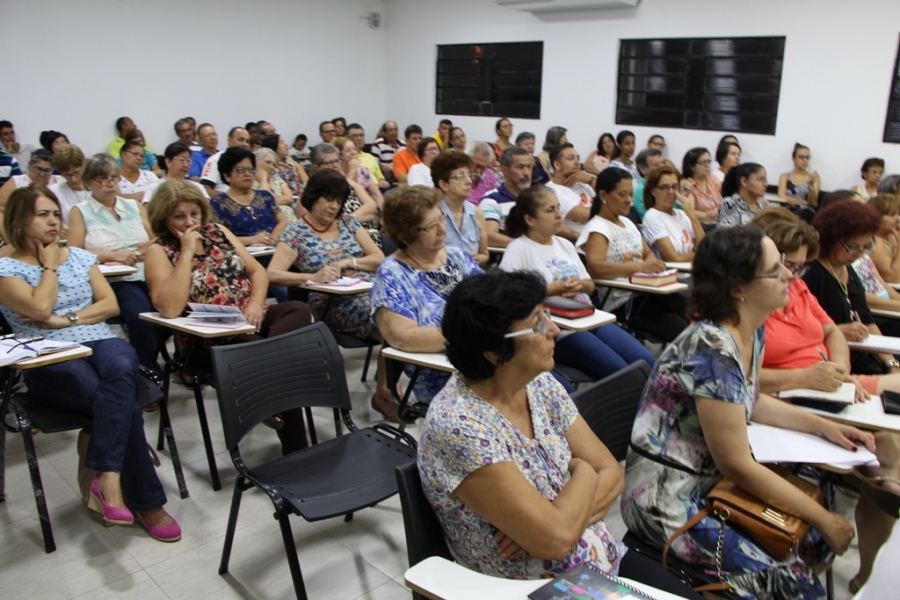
(838, 63)
(77, 66)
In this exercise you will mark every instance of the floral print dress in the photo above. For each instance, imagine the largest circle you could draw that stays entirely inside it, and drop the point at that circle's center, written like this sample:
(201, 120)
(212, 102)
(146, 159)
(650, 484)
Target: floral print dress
(463, 433)
(658, 499)
(346, 314)
(219, 276)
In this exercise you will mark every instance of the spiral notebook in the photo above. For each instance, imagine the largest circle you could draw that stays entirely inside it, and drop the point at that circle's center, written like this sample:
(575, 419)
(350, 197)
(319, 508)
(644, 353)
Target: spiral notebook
(877, 343)
(587, 583)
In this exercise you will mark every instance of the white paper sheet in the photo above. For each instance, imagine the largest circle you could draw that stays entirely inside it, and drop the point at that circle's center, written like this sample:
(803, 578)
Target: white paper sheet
(774, 444)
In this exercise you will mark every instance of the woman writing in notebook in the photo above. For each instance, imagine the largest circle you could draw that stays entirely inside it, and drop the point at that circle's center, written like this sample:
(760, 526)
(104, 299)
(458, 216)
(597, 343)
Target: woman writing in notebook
(691, 429)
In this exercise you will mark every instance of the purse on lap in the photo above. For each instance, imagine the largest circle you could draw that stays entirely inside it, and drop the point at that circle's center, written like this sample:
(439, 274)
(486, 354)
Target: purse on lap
(567, 308)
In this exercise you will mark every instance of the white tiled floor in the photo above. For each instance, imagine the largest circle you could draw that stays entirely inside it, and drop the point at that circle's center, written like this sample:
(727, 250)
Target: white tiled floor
(363, 559)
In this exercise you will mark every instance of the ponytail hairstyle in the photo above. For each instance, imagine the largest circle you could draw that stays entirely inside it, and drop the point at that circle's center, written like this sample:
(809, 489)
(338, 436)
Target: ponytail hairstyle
(732, 183)
(797, 147)
(527, 204)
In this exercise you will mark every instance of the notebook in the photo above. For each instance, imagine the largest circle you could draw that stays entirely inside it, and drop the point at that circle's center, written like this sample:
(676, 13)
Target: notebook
(587, 583)
(877, 343)
(845, 394)
(215, 315)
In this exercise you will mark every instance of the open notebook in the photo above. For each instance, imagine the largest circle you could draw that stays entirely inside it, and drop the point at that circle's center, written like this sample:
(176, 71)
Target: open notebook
(13, 350)
(877, 343)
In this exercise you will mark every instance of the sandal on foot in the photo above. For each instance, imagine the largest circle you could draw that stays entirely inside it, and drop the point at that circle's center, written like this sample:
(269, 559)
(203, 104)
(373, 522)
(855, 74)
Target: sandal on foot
(887, 500)
(386, 407)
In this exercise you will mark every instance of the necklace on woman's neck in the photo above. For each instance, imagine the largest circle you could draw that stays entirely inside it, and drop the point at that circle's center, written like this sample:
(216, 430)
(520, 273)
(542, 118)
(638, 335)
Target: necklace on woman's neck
(314, 228)
(833, 274)
(418, 264)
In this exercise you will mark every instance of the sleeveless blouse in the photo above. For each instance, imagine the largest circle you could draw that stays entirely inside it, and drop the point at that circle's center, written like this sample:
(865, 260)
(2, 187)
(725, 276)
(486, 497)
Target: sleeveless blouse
(105, 233)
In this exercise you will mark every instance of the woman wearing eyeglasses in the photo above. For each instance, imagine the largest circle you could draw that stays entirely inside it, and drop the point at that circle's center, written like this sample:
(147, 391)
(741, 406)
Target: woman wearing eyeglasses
(134, 180)
(673, 233)
(805, 349)
(464, 222)
(420, 174)
(846, 229)
(517, 478)
(744, 188)
(706, 189)
(40, 172)
(116, 229)
(412, 285)
(178, 166)
(691, 429)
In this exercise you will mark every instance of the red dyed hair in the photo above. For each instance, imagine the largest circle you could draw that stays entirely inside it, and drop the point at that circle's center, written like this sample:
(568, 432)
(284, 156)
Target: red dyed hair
(843, 220)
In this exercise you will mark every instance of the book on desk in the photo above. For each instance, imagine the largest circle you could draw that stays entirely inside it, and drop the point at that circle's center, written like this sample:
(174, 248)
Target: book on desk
(586, 583)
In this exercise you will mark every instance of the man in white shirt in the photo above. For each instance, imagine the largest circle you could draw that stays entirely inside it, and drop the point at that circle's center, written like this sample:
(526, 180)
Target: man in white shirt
(210, 177)
(8, 144)
(574, 200)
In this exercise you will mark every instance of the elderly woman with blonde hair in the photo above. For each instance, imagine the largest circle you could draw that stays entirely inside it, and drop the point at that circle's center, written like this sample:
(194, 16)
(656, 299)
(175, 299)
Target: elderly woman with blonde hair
(268, 180)
(194, 260)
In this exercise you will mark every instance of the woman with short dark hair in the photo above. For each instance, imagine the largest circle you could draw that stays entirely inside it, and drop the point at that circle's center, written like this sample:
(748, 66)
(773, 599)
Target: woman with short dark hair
(706, 189)
(601, 156)
(517, 478)
(691, 429)
(872, 172)
(728, 155)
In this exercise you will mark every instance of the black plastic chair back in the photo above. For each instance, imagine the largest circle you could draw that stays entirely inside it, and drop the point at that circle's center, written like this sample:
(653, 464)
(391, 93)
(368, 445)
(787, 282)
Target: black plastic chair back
(424, 536)
(610, 406)
(262, 378)
(387, 245)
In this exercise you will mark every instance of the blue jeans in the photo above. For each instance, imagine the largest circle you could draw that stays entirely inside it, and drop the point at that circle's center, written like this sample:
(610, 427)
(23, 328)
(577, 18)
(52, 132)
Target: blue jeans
(601, 351)
(102, 387)
(134, 298)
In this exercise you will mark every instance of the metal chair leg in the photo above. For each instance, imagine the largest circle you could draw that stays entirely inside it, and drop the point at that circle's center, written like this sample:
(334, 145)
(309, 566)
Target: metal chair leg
(365, 372)
(207, 440)
(165, 424)
(36, 484)
(239, 487)
(291, 550)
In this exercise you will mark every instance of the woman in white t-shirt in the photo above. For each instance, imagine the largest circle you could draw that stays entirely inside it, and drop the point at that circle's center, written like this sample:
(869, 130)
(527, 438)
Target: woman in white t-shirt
(673, 233)
(420, 174)
(534, 222)
(614, 249)
(133, 180)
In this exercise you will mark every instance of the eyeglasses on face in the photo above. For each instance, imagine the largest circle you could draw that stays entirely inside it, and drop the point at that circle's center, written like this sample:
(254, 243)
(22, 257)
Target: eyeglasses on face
(854, 249)
(796, 269)
(182, 159)
(704, 162)
(41, 170)
(135, 154)
(331, 163)
(461, 177)
(430, 227)
(776, 274)
(242, 170)
(668, 188)
(105, 181)
(540, 328)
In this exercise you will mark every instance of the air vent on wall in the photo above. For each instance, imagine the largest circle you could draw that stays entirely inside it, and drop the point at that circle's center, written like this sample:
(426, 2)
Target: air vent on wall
(548, 6)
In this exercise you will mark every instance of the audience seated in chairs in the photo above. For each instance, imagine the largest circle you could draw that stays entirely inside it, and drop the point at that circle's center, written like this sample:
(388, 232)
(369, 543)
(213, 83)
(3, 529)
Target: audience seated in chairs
(798, 337)
(743, 191)
(322, 246)
(149, 163)
(420, 174)
(705, 189)
(355, 171)
(613, 248)
(194, 260)
(68, 161)
(691, 429)
(412, 285)
(40, 172)
(286, 167)
(534, 223)
(267, 180)
(116, 229)
(600, 157)
(360, 204)
(800, 186)
(515, 475)
(672, 233)
(516, 166)
(178, 165)
(134, 180)
(59, 294)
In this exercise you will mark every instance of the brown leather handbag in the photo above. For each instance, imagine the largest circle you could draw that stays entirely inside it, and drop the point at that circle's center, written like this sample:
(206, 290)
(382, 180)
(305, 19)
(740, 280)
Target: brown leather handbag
(778, 533)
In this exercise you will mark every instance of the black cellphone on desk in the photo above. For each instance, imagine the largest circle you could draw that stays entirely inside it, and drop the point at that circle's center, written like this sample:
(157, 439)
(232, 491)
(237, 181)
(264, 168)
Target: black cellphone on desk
(891, 402)
(823, 405)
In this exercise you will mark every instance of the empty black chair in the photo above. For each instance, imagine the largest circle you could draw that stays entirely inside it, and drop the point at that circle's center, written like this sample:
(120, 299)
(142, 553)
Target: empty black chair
(424, 536)
(303, 368)
(610, 406)
(30, 414)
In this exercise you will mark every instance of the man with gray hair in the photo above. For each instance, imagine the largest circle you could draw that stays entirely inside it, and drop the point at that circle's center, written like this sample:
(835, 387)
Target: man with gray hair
(485, 177)
(360, 204)
(516, 165)
(184, 129)
(210, 178)
(646, 160)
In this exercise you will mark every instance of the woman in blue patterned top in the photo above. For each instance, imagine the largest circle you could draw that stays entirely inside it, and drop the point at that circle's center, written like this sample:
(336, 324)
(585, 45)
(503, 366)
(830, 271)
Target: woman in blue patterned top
(691, 428)
(60, 294)
(412, 285)
(517, 478)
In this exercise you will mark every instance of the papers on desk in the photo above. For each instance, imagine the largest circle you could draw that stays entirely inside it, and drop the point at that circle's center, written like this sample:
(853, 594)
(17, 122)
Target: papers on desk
(681, 266)
(13, 350)
(774, 444)
(845, 394)
(877, 343)
(113, 270)
(342, 282)
(216, 315)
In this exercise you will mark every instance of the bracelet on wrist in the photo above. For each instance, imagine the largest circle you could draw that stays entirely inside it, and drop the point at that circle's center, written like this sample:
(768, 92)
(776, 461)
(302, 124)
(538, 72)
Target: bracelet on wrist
(49, 269)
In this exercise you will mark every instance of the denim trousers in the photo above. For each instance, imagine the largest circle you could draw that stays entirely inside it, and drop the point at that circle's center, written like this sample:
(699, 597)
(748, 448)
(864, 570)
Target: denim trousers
(102, 387)
(601, 351)
(134, 298)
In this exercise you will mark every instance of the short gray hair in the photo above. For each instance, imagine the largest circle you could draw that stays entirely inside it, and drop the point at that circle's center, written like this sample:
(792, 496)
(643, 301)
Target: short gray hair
(643, 157)
(889, 185)
(40, 155)
(318, 153)
(525, 135)
(506, 159)
(482, 148)
(264, 152)
(99, 166)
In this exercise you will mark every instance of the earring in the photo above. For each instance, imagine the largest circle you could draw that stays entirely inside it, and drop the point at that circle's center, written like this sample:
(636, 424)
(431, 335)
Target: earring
(742, 298)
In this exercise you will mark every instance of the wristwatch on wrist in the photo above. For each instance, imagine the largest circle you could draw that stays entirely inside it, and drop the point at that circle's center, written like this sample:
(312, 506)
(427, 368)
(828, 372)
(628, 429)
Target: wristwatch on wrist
(73, 319)
(890, 364)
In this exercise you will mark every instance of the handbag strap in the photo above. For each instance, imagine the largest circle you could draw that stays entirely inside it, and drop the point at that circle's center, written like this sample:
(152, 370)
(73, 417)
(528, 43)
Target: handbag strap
(709, 587)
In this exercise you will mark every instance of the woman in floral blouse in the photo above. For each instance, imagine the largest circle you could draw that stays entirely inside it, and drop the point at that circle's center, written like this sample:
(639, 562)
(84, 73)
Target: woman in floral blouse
(194, 260)
(517, 478)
